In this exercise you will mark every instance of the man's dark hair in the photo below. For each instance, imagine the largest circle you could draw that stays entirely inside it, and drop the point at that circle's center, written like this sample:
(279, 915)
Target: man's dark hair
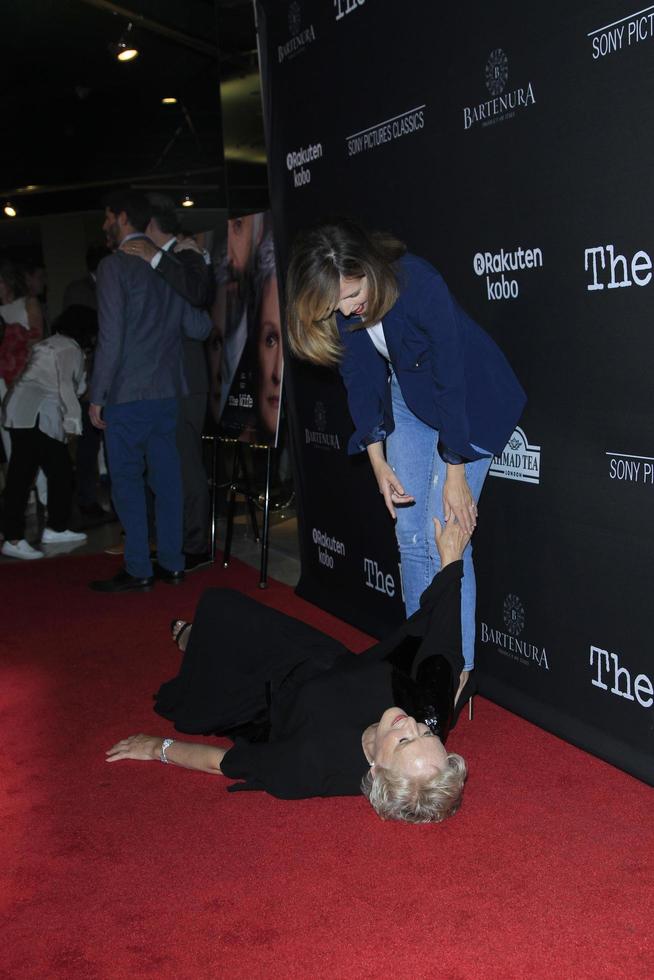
(164, 213)
(135, 205)
(78, 322)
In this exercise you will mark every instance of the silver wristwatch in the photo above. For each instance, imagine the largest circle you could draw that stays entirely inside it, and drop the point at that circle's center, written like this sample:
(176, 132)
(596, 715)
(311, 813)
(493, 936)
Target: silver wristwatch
(167, 742)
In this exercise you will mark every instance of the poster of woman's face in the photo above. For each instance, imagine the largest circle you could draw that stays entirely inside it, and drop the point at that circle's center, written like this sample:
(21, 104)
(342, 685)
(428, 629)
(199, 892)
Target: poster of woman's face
(244, 350)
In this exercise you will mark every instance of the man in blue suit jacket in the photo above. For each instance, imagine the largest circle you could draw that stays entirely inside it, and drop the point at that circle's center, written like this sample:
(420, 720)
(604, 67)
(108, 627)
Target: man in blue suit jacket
(138, 378)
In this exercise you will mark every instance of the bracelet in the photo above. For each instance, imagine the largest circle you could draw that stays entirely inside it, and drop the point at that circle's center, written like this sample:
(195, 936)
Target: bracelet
(167, 742)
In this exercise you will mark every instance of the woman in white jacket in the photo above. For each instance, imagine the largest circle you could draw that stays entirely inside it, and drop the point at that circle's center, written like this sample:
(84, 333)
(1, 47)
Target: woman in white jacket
(41, 411)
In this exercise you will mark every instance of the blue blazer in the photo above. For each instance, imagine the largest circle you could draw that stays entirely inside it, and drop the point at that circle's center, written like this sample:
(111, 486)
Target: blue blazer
(141, 322)
(452, 375)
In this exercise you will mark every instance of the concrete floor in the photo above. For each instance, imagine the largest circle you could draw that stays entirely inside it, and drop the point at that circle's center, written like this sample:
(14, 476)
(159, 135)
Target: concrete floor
(283, 555)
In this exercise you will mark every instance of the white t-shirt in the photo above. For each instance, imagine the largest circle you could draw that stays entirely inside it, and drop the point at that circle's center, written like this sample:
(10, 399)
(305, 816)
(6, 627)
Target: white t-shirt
(376, 334)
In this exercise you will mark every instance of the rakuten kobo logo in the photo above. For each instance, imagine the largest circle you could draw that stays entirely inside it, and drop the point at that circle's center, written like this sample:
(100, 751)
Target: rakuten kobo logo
(494, 264)
(328, 547)
(297, 163)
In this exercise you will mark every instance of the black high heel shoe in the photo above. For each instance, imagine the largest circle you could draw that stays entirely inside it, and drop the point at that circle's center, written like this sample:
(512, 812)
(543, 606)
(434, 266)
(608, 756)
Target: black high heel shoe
(178, 628)
(466, 695)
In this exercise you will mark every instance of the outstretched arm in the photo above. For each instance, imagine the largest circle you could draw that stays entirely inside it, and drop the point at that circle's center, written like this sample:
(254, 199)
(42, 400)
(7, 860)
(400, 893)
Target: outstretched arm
(188, 755)
(451, 540)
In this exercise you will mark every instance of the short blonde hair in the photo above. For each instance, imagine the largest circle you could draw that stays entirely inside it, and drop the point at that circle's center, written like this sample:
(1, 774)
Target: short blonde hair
(394, 796)
(319, 258)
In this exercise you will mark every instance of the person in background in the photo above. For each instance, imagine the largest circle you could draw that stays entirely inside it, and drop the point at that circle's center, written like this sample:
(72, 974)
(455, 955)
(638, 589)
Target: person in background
(185, 267)
(42, 411)
(137, 380)
(431, 395)
(36, 279)
(83, 292)
(22, 328)
(90, 442)
(23, 320)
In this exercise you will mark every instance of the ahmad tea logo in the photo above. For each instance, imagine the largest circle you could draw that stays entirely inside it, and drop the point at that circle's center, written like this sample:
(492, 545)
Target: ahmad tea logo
(519, 460)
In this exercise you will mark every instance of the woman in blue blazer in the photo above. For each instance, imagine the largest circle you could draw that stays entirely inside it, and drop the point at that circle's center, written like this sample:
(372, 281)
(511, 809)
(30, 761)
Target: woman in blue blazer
(424, 382)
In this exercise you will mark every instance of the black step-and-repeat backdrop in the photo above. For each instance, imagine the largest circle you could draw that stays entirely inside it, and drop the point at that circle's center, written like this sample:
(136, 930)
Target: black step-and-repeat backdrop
(511, 145)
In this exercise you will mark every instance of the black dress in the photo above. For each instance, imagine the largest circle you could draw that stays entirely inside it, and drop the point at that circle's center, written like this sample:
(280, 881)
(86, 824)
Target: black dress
(296, 701)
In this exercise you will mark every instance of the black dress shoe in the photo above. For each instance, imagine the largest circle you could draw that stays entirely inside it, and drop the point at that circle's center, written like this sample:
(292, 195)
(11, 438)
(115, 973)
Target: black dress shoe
(197, 561)
(165, 575)
(93, 510)
(123, 582)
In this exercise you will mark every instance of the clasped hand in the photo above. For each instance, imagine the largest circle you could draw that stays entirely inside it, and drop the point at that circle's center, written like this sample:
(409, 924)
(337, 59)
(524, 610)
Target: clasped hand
(458, 502)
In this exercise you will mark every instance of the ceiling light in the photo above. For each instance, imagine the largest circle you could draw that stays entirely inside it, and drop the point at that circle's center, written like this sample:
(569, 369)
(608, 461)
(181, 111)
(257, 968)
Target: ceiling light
(169, 100)
(126, 50)
(10, 210)
(188, 201)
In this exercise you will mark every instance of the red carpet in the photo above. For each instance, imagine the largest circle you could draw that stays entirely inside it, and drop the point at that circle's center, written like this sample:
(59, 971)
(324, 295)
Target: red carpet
(140, 870)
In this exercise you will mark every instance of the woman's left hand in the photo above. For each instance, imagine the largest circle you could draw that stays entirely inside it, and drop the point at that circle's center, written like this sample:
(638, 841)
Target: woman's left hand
(146, 748)
(458, 501)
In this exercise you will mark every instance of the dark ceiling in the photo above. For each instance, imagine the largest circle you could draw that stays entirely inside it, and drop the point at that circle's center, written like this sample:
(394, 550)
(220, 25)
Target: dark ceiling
(76, 120)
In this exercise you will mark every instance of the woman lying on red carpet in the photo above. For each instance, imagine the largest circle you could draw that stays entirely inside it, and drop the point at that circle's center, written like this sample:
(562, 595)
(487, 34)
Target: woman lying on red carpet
(310, 718)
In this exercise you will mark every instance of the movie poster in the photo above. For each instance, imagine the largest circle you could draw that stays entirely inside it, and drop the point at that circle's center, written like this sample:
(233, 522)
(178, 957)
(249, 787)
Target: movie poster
(244, 349)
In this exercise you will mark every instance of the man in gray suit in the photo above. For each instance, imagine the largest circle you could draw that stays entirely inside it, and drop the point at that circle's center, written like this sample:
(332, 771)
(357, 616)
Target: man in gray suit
(188, 270)
(138, 378)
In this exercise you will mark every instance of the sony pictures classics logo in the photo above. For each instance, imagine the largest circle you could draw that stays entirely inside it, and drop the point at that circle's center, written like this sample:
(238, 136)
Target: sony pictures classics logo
(514, 615)
(497, 72)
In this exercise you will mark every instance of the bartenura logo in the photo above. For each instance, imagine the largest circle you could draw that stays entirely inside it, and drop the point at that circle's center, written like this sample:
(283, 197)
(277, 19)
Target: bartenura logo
(343, 7)
(297, 163)
(319, 437)
(405, 124)
(379, 580)
(508, 643)
(493, 263)
(623, 684)
(514, 615)
(622, 34)
(627, 468)
(327, 548)
(612, 270)
(300, 37)
(519, 460)
(503, 105)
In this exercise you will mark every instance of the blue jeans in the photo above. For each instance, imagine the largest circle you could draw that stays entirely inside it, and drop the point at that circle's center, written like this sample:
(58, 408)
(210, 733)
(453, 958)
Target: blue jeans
(140, 437)
(411, 450)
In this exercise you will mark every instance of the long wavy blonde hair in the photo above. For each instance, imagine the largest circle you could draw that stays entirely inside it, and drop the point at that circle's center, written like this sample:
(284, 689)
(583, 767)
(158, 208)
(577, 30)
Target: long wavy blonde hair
(320, 256)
